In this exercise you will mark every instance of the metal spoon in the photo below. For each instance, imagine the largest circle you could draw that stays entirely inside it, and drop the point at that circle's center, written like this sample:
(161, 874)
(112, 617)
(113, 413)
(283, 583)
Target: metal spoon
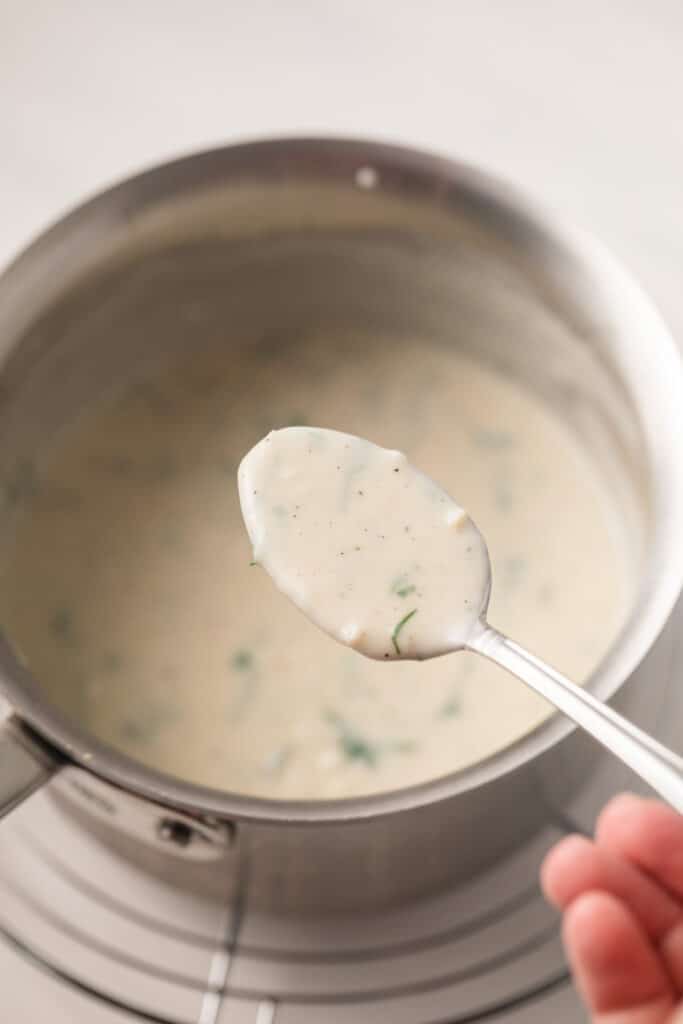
(651, 760)
(302, 514)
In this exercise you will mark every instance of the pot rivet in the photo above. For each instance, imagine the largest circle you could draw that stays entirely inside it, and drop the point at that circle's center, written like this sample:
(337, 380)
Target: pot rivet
(179, 833)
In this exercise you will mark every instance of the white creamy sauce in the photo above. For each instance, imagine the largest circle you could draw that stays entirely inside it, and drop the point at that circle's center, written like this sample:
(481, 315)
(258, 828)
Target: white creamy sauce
(129, 590)
(372, 550)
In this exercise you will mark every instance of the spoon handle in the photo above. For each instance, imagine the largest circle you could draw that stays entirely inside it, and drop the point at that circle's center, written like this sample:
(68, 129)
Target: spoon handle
(652, 761)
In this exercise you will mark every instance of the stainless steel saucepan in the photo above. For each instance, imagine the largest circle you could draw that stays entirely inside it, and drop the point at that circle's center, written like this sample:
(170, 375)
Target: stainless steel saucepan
(288, 236)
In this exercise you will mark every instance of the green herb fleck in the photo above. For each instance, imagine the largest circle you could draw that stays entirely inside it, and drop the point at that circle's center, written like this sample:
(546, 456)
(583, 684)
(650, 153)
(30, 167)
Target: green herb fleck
(402, 746)
(112, 662)
(21, 482)
(353, 745)
(133, 730)
(513, 571)
(147, 723)
(242, 660)
(253, 563)
(402, 587)
(61, 623)
(398, 627)
(451, 708)
(277, 761)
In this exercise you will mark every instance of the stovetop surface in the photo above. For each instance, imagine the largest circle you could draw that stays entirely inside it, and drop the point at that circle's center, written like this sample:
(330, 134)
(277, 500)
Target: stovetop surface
(102, 935)
(31, 998)
(78, 915)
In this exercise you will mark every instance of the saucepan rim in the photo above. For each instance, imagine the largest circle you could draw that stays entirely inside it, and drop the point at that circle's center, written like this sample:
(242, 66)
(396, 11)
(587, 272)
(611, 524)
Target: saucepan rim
(646, 349)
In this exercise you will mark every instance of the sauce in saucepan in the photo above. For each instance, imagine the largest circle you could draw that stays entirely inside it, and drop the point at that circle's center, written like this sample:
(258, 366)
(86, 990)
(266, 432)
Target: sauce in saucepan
(129, 589)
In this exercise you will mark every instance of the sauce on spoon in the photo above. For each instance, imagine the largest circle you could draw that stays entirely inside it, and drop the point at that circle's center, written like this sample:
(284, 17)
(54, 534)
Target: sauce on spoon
(367, 546)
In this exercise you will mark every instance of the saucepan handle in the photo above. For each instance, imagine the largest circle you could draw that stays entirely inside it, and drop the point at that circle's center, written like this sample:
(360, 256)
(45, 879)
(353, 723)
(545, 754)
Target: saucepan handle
(25, 764)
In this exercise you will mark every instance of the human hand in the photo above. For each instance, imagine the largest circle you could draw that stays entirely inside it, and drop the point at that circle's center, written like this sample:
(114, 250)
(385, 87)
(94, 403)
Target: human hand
(622, 900)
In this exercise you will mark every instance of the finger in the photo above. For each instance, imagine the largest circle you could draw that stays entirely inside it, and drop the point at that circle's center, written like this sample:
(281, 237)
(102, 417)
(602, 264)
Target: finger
(615, 966)
(648, 834)
(576, 865)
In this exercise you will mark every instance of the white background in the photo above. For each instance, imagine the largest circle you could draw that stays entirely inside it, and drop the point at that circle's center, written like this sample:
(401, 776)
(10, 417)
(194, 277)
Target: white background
(580, 102)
